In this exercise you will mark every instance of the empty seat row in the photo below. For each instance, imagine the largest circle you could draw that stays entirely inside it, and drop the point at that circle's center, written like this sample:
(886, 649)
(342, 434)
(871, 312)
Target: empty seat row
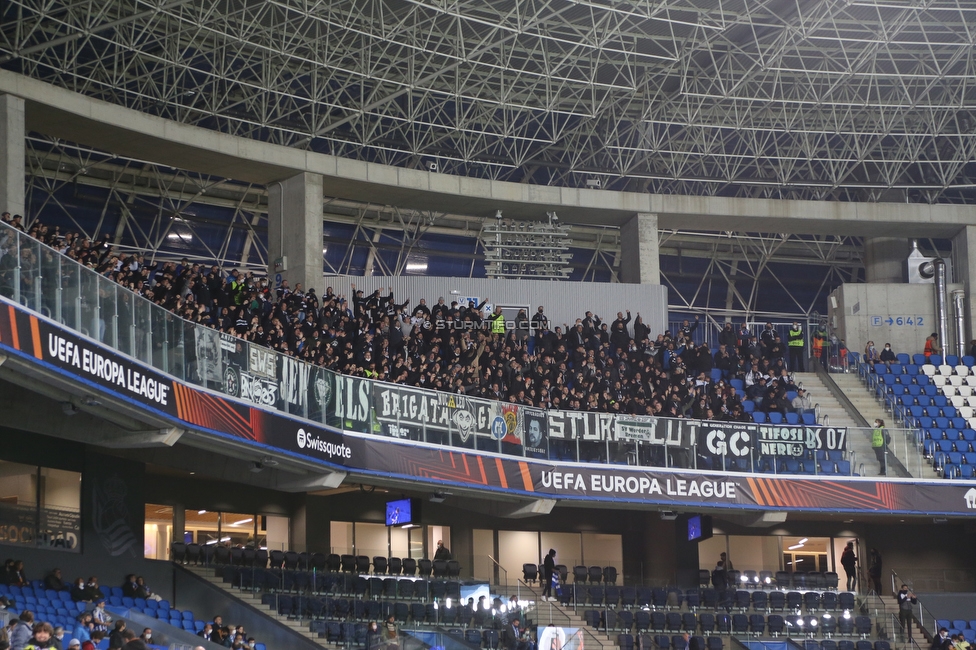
(774, 624)
(658, 598)
(342, 609)
(348, 634)
(291, 560)
(775, 417)
(581, 574)
(404, 588)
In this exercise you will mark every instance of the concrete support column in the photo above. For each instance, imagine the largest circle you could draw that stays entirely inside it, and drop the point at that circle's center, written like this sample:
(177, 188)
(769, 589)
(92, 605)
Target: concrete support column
(884, 259)
(179, 522)
(12, 142)
(964, 271)
(639, 251)
(295, 231)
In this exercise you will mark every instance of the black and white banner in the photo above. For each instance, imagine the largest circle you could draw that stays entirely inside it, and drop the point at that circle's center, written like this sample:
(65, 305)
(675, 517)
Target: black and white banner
(797, 440)
(666, 432)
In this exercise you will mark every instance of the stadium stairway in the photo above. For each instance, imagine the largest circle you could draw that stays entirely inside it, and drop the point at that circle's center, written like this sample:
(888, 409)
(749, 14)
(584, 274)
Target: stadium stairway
(837, 416)
(252, 602)
(543, 613)
(870, 409)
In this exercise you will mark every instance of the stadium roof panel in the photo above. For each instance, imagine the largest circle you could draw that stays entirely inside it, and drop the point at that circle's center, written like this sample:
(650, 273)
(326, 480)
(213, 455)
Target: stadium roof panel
(852, 101)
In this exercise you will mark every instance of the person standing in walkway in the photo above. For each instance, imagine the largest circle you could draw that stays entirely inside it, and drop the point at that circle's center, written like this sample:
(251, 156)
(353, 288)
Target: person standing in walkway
(849, 561)
(906, 606)
(548, 568)
(794, 342)
(874, 570)
(879, 444)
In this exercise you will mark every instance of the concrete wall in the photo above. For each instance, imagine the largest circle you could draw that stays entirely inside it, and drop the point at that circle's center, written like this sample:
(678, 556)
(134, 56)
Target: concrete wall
(564, 302)
(859, 305)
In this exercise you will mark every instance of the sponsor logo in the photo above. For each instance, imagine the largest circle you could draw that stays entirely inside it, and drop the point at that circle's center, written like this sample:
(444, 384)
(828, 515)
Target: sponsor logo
(309, 441)
(623, 485)
(970, 497)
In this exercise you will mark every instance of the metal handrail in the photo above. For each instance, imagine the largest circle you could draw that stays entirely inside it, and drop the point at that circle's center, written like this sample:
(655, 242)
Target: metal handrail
(504, 570)
(923, 616)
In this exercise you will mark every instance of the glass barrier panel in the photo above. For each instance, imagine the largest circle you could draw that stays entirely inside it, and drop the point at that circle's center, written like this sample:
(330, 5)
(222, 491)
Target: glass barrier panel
(126, 321)
(108, 302)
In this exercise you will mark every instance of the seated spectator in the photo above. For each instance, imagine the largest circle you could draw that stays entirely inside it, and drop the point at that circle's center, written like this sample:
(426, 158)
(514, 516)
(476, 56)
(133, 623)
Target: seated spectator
(84, 627)
(43, 637)
(206, 631)
(91, 644)
(53, 580)
(133, 642)
(93, 590)
(931, 346)
(871, 355)
(888, 355)
(17, 577)
(129, 587)
(59, 639)
(143, 590)
(115, 640)
(74, 644)
(79, 592)
(146, 635)
(802, 403)
(22, 631)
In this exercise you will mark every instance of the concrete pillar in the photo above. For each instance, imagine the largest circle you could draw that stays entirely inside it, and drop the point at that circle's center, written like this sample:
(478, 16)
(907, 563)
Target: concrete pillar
(179, 522)
(639, 251)
(884, 259)
(12, 142)
(964, 272)
(295, 231)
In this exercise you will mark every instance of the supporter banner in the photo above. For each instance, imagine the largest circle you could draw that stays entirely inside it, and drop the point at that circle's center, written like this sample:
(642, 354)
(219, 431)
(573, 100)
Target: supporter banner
(717, 440)
(577, 425)
(792, 440)
(403, 411)
(536, 428)
(250, 372)
(668, 432)
(350, 405)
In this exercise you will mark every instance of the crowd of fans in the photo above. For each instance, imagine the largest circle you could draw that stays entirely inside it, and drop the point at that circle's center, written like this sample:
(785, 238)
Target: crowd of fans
(594, 364)
(94, 623)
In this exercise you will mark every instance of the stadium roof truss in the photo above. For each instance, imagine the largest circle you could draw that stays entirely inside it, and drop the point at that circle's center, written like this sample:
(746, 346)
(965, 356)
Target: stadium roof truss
(860, 100)
(170, 214)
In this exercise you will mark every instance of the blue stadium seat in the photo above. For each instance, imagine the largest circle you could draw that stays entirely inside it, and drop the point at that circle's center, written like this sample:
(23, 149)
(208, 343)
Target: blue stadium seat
(758, 417)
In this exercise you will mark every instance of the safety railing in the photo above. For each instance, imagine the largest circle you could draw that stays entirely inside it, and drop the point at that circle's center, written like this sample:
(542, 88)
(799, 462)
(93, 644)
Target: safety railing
(499, 572)
(924, 618)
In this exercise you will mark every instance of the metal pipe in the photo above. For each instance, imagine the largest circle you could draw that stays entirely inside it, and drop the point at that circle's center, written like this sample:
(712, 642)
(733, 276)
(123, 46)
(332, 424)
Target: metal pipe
(959, 306)
(941, 310)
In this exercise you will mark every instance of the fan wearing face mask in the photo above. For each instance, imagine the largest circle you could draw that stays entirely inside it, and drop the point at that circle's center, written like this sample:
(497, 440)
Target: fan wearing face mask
(888, 355)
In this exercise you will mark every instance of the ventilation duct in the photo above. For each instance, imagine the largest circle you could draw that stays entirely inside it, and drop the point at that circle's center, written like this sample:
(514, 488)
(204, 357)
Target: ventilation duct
(959, 313)
(941, 309)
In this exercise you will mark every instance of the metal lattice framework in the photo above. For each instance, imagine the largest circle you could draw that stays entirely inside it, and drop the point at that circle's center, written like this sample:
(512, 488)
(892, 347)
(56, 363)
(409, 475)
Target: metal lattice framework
(826, 99)
(171, 214)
